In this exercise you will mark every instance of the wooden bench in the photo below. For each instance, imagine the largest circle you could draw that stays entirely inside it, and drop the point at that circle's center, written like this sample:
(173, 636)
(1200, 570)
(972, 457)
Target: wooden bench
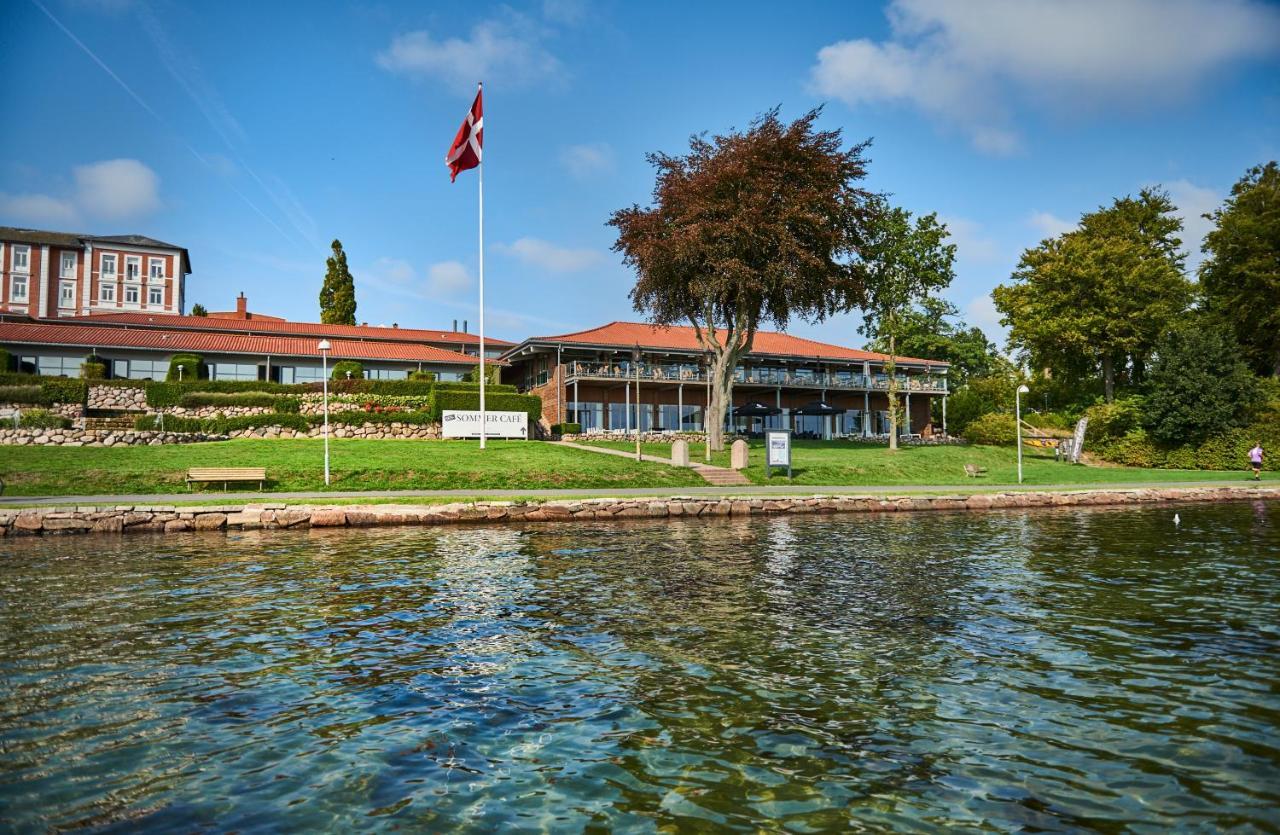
(227, 475)
(973, 470)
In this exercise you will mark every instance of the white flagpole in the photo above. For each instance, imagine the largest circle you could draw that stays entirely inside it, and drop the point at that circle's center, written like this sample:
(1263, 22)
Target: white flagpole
(484, 426)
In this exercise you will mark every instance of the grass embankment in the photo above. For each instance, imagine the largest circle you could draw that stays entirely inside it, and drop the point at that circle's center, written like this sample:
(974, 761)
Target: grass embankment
(294, 465)
(853, 463)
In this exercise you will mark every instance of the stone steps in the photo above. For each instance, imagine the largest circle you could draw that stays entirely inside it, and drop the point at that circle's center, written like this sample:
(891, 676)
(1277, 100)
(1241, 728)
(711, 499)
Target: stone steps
(720, 477)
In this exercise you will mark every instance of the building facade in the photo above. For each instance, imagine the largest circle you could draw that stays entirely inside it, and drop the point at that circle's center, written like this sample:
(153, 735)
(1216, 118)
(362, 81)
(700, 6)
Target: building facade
(624, 375)
(50, 275)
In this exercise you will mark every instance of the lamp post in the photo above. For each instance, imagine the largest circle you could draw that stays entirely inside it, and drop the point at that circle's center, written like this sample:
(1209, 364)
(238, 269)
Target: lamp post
(1017, 406)
(324, 347)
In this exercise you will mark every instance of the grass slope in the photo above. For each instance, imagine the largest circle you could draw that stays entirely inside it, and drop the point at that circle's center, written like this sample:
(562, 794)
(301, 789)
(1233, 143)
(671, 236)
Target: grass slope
(853, 463)
(355, 465)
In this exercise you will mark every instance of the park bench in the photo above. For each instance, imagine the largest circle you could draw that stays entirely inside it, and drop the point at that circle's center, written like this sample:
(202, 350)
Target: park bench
(973, 470)
(227, 475)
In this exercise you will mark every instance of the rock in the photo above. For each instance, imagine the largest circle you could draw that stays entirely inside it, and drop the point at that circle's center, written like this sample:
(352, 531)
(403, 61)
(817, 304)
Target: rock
(738, 455)
(211, 521)
(177, 525)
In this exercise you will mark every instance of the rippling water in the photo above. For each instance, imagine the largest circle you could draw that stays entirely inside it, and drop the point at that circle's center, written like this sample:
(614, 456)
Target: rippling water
(1053, 670)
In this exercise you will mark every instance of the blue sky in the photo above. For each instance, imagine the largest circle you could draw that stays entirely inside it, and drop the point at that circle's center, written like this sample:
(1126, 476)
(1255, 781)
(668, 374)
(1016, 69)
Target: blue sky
(254, 133)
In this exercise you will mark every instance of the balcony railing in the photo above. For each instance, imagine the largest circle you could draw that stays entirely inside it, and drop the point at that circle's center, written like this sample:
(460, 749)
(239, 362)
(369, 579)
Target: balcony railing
(650, 372)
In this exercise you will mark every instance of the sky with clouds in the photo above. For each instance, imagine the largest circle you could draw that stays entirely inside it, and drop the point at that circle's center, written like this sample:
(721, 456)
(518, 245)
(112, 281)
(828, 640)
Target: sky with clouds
(254, 134)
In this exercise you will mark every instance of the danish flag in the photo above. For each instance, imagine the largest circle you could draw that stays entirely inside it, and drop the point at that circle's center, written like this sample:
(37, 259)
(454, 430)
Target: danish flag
(465, 151)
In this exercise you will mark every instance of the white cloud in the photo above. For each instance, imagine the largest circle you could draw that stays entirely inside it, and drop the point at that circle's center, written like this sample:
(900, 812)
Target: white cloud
(971, 244)
(981, 312)
(1049, 225)
(394, 269)
(507, 50)
(587, 161)
(567, 12)
(115, 189)
(1193, 203)
(548, 256)
(446, 279)
(966, 64)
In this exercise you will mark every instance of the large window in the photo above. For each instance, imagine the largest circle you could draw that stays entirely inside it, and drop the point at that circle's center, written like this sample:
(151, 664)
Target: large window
(140, 369)
(589, 415)
(107, 291)
(386, 374)
(21, 259)
(133, 267)
(155, 295)
(59, 366)
(300, 374)
(109, 265)
(233, 371)
(156, 269)
(669, 417)
(18, 288)
(618, 417)
(67, 268)
(66, 294)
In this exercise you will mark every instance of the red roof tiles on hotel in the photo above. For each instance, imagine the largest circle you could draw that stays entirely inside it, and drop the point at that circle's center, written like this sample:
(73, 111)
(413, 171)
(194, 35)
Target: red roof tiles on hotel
(95, 336)
(273, 325)
(683, 338)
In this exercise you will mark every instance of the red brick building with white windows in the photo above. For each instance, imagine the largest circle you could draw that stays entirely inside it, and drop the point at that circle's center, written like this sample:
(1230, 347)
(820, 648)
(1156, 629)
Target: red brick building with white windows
(49, 275)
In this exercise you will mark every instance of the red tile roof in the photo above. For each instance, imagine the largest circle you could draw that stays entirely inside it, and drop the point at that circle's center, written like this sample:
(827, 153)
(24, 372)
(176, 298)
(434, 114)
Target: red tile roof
(273, 325)
(683, 338)
(96, 336)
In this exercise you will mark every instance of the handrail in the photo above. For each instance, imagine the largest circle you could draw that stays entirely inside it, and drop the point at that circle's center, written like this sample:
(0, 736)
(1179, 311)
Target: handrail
(678, 374)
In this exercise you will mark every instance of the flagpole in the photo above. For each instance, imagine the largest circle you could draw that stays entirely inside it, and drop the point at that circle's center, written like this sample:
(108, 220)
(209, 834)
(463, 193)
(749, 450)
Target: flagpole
(484, 426)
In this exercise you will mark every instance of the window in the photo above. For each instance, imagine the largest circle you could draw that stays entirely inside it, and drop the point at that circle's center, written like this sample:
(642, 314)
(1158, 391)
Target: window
(588, 415)
(59, 366)
(386, 374)
(109, 265)
(67, 269)
(21, 258)
(66, 294)
(156, 269)
(300, 374)
(233, 371)
(107, 291)
(27, 365)
(130, 294)
(140, 369)
(17, 288)
(155, 295)
(132, 267)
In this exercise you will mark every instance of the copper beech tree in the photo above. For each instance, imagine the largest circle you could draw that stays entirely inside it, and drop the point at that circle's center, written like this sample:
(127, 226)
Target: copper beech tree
(750, 227)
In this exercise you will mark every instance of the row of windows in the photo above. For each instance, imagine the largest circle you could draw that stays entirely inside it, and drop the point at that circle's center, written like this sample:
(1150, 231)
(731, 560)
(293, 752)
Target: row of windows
(157, 369)
(19, 292)
(20, 262)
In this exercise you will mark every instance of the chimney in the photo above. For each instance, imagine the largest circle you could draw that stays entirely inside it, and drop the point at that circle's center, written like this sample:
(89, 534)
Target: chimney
(455, 325)
(242, 305)
(464, 325)
(395, 324)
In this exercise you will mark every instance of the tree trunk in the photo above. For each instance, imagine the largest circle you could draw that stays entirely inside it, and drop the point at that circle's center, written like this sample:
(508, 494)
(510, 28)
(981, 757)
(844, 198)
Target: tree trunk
(891, 367)
(1108, 379)
(1139, 371)
(721, 398)
(1275, 366)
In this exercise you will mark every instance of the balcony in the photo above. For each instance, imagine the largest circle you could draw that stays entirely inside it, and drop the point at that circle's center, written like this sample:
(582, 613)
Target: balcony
(653, 372)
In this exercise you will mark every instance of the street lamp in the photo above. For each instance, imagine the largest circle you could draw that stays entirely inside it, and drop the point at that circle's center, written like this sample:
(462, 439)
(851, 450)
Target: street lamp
(1017, 406)
(324, 347)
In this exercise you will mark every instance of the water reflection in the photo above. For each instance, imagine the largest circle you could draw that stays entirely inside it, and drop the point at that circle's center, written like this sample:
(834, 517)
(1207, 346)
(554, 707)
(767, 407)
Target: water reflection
(1057, 669)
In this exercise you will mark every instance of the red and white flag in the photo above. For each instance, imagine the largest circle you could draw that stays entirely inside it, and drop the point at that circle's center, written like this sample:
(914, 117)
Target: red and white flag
(465, 151)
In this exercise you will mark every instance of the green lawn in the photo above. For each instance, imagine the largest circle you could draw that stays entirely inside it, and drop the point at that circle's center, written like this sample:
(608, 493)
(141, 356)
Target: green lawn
(854, 463)
(355, 465)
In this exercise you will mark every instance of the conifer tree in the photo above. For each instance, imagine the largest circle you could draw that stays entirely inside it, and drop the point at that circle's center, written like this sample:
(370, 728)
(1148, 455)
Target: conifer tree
(338, 294)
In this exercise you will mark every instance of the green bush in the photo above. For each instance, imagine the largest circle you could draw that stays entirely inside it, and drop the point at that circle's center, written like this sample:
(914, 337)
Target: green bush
(165, 395)
(470, 401)
(64, 390)
(6, 359)
(1198, 386)
(342, 368)
(566, 428)
(1048, 420)
(980, 396)
(1113, 420)
(192, 365)
(493, 374)
(43, 419)
(994, 429)
(422, 376)
(22, 394)
(357, 418)
(198, 399)
(284, 405)
(1226, 450)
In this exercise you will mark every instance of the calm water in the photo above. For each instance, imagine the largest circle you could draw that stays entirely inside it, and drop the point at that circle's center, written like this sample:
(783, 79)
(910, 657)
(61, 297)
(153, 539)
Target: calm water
(1001, 671)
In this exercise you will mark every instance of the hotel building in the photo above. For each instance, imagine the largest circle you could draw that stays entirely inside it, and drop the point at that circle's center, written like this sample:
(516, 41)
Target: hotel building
(590, 377)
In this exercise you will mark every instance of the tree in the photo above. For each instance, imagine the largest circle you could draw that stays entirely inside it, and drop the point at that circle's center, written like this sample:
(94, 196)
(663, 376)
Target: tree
(1100, 295)
(752, 226)
(197, 309)
(338, 294)
(1199, 386)
(1240, 279)
(905, 262)
(924, 331)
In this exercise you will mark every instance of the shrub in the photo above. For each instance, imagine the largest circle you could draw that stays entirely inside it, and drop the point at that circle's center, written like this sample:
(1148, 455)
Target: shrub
(342, 368)
(22, 394)
(980, 396)
(470, 401)
(1197, 386)
(6, 359)
(1112, 420)
(1222, 451)
(994, 429)
(197, 399)
(43, 419)
(164, 395)
(566, 428)
(64, 390)
(192, 365)
(493, 374)
(287, 405)
(1048, 420)
(422, 376)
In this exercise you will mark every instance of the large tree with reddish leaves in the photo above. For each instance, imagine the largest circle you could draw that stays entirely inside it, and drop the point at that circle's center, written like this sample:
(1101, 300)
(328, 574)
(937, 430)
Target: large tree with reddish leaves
(750, 227)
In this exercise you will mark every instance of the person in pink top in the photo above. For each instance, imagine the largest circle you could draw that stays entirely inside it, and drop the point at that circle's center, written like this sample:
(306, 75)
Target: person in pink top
(1255, 460)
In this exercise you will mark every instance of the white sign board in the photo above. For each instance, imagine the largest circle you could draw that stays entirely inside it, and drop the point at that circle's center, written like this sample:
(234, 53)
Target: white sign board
(457, 423)
(1077, 445)
(777, 450)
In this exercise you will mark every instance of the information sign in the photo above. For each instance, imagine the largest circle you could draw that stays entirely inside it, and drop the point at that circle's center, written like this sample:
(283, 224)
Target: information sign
(777, 450)
(457, 423)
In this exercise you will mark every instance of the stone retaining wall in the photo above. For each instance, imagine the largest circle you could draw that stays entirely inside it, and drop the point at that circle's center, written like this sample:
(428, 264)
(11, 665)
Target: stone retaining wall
(118, 398)
(67, 410)
(99, 437)
(378, 431)
(171, 519)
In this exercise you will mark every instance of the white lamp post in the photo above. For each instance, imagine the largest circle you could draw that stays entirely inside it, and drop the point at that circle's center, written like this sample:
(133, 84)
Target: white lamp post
(1017, 406)
(324, 347)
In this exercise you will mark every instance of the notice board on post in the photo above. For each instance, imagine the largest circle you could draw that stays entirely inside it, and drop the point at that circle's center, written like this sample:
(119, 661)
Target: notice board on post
(777, 451)
(465, 423)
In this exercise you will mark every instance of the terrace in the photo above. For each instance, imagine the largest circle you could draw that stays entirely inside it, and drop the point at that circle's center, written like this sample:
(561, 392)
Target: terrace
(791, 378)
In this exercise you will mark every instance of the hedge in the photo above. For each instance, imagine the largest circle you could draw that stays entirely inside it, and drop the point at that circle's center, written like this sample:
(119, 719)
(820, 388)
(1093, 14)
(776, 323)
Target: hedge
(93, 370)
(43, 419)
(566, 428)
(163, 395)
(52, 389)
(994, 429)
(192, 365)
(197, 399)
(285, 405)
(33, 395)
(301, 423)
(470, 401)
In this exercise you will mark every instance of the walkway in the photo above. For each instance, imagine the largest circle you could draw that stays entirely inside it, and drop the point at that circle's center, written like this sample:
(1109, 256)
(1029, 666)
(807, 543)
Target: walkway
(716, 476)
(969, 489)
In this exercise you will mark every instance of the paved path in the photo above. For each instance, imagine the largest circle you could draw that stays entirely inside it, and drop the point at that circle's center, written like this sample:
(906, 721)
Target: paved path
(237, 497)
(715, 476)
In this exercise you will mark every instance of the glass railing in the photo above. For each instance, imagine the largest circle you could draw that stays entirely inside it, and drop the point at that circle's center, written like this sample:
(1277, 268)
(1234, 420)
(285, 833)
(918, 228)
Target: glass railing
(684, 374)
